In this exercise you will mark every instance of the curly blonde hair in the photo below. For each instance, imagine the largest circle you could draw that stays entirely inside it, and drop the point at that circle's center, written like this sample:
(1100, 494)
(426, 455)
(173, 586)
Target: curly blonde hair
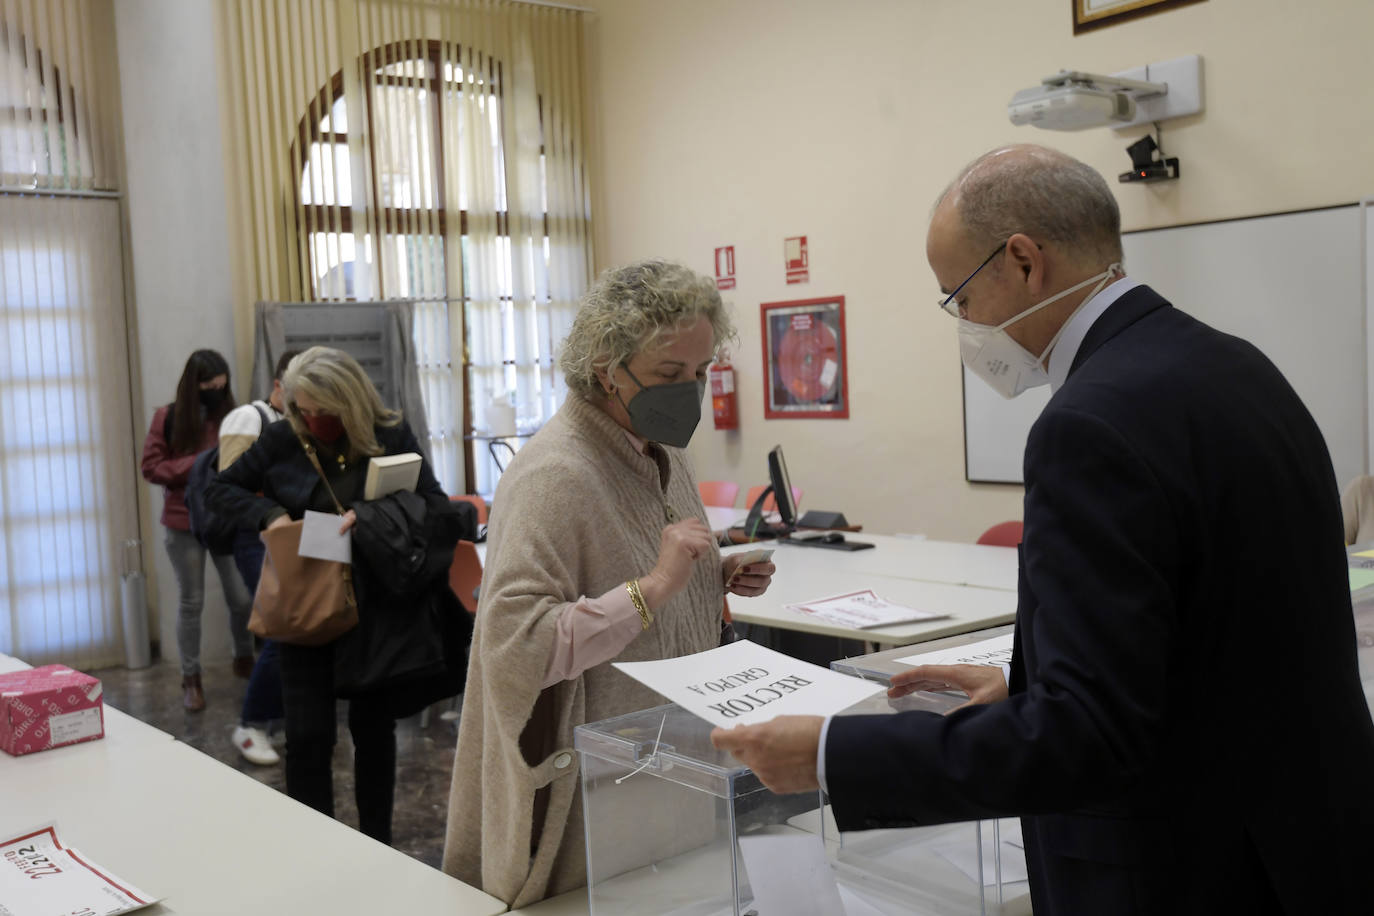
(631, 309)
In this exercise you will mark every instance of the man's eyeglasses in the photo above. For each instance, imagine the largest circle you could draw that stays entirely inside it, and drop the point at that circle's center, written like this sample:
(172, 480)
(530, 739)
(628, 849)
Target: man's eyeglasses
(948, 303)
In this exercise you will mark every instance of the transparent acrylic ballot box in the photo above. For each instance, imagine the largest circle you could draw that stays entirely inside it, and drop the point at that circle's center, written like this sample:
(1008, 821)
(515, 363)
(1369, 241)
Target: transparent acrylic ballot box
(663, 840)
(973, 867)
(662, 828)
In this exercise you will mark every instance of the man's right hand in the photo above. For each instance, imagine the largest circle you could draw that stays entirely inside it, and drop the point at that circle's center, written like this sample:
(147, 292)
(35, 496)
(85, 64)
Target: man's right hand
(982, 683)
(680, 547)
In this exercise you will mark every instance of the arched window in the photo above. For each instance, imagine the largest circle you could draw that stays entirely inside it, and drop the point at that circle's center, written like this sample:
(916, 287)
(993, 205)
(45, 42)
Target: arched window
(403, 194)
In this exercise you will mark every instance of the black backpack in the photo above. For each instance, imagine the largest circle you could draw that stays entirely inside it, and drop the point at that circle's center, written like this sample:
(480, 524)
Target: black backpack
(215, 532)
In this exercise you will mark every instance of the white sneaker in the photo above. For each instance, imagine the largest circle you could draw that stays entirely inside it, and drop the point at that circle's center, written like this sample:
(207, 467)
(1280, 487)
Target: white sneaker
(255, 746)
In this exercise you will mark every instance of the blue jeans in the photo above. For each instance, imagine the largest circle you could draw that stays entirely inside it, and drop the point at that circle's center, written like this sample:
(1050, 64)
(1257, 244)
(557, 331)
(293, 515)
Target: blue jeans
(188, 562)
(262, 701)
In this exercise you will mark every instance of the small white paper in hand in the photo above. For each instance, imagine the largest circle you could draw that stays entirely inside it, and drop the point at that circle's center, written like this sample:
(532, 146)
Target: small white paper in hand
(743, 683)
(320, 538)
(789, 874)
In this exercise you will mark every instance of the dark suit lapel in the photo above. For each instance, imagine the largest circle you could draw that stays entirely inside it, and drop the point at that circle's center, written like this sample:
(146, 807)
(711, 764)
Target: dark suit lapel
(1121, 314)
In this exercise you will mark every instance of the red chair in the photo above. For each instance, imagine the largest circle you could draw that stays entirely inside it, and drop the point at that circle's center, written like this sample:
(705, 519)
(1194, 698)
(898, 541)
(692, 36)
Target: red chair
(465, 575)
(477, 501)
(1002, 534)
(718, 493)
(770, 504)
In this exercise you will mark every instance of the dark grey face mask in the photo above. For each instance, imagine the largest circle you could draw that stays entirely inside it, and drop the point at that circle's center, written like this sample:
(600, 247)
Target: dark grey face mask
(665, 413)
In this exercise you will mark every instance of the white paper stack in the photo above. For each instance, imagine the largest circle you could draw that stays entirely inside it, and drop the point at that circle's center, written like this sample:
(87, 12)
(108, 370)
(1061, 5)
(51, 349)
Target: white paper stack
(862, 610)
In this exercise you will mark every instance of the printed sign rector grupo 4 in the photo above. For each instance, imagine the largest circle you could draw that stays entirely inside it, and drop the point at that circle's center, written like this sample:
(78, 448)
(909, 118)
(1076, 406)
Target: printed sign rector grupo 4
(48, 707)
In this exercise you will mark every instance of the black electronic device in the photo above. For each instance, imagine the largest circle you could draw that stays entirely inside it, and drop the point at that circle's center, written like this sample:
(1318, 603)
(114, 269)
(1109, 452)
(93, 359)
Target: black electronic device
(819, 518)
(832, 540)
(780, 488)
(1148, 163)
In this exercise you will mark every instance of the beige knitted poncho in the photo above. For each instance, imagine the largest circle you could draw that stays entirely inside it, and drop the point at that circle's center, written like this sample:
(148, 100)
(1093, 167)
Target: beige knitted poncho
(578, 513)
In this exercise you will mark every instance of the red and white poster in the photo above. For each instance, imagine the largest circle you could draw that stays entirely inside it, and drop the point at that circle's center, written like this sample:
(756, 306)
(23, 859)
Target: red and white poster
(795, 259)
(725, 267)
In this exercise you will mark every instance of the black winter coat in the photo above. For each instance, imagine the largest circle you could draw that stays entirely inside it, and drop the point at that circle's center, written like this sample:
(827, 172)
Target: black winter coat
(412, 633)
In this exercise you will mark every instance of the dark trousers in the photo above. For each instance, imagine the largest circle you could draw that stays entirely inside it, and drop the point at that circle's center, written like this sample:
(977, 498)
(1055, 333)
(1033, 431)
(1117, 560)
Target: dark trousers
(308, 691)
(262, 701)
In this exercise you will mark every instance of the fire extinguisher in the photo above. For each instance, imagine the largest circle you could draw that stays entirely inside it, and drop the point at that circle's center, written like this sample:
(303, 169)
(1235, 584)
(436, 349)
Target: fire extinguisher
(724, 403)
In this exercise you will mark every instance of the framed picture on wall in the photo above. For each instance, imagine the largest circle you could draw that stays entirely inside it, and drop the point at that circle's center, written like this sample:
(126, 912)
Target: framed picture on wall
(1093, 14)
(806, 372)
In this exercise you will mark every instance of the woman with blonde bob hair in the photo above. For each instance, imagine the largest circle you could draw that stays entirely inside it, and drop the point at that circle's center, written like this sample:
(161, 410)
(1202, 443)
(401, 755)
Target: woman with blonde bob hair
(334, 412)
(597, 551)
(327, 383)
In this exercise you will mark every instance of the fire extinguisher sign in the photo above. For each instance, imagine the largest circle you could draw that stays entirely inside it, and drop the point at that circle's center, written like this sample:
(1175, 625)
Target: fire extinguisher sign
(795, 259)
(725, 267)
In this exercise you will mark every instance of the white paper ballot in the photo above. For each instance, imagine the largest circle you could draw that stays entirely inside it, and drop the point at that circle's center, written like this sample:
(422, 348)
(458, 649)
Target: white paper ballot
(790, 875)
(41, 877)
(994, 652)
(743, 683)
(964, 857)
(320, 538)
(862, 609)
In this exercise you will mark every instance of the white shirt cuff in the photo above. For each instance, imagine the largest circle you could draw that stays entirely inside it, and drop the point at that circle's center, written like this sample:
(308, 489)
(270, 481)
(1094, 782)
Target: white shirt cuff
(1006, 673)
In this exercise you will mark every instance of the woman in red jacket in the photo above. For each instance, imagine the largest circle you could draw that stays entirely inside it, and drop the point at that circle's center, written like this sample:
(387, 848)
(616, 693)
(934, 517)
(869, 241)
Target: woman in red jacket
(179, 432)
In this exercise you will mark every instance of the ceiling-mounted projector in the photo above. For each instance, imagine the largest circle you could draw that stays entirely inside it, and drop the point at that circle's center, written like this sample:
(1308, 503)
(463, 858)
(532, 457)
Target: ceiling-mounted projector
(1073, 106)
(1073, 100)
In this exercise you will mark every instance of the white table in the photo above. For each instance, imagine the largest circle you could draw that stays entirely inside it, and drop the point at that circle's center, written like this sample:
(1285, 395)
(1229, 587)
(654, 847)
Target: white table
(921, 574)
(917, 558)
(210, 840)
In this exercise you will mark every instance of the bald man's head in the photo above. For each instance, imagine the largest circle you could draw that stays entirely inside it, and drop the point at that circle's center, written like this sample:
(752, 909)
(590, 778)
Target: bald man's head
(1051, 197)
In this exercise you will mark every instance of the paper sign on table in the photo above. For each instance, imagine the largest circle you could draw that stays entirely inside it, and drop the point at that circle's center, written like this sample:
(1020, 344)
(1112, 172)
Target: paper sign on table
(743, 683)
(862, 610)
(320, 538)
(41, 877)
(995, 652)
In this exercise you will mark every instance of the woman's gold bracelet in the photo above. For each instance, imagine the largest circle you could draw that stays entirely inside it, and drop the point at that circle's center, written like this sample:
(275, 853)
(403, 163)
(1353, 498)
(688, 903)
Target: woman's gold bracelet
(646, 617)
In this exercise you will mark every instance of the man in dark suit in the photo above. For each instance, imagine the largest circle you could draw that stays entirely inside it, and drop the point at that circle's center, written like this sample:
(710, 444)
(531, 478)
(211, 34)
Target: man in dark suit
(1184, 729)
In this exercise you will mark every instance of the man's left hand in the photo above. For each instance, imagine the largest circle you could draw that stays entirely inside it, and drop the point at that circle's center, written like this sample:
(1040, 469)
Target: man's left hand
(781, 752)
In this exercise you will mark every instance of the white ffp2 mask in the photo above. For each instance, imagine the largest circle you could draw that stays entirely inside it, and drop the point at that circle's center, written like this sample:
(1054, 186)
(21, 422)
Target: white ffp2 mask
(1009, 368)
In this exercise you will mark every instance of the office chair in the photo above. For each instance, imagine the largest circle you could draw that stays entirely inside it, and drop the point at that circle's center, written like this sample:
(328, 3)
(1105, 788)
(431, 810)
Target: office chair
(718, 493)
(478, 502)
(464, 577)
(1002, 534)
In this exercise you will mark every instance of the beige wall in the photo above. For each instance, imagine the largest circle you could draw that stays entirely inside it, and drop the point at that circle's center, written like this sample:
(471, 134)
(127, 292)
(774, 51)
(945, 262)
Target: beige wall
(179, 241)
(741, 122)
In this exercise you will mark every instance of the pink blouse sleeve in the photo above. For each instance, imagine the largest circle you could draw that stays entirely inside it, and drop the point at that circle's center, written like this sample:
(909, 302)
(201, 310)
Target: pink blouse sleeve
(592, 631)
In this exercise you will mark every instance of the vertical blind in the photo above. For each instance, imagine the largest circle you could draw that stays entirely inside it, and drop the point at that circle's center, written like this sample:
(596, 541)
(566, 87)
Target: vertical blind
(431, 151)
(68, 494)
(59, 101)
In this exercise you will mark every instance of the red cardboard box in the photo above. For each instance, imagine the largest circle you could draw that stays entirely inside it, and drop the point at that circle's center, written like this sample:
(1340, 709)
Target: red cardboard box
(49, 707)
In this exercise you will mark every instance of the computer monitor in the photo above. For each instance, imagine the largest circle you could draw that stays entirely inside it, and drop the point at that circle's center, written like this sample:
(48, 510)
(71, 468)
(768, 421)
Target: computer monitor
(781, 485)
(780, 488)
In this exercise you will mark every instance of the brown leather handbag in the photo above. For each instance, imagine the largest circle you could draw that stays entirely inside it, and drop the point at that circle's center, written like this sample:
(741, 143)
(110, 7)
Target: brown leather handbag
(302, 600)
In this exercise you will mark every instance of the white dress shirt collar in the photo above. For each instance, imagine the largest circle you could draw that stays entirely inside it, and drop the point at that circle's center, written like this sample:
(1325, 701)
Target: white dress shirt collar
(1062, 356)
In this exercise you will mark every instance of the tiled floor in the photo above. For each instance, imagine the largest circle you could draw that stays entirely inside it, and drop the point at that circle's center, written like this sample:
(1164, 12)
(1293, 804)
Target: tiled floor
(424, 756)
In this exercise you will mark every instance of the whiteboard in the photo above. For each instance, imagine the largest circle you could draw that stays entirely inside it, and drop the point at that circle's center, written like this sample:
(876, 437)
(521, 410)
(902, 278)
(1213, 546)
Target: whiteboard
(1293, 284)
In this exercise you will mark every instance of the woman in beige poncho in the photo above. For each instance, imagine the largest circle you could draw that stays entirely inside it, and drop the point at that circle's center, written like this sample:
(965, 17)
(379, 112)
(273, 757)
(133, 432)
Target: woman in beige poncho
(598, 552)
